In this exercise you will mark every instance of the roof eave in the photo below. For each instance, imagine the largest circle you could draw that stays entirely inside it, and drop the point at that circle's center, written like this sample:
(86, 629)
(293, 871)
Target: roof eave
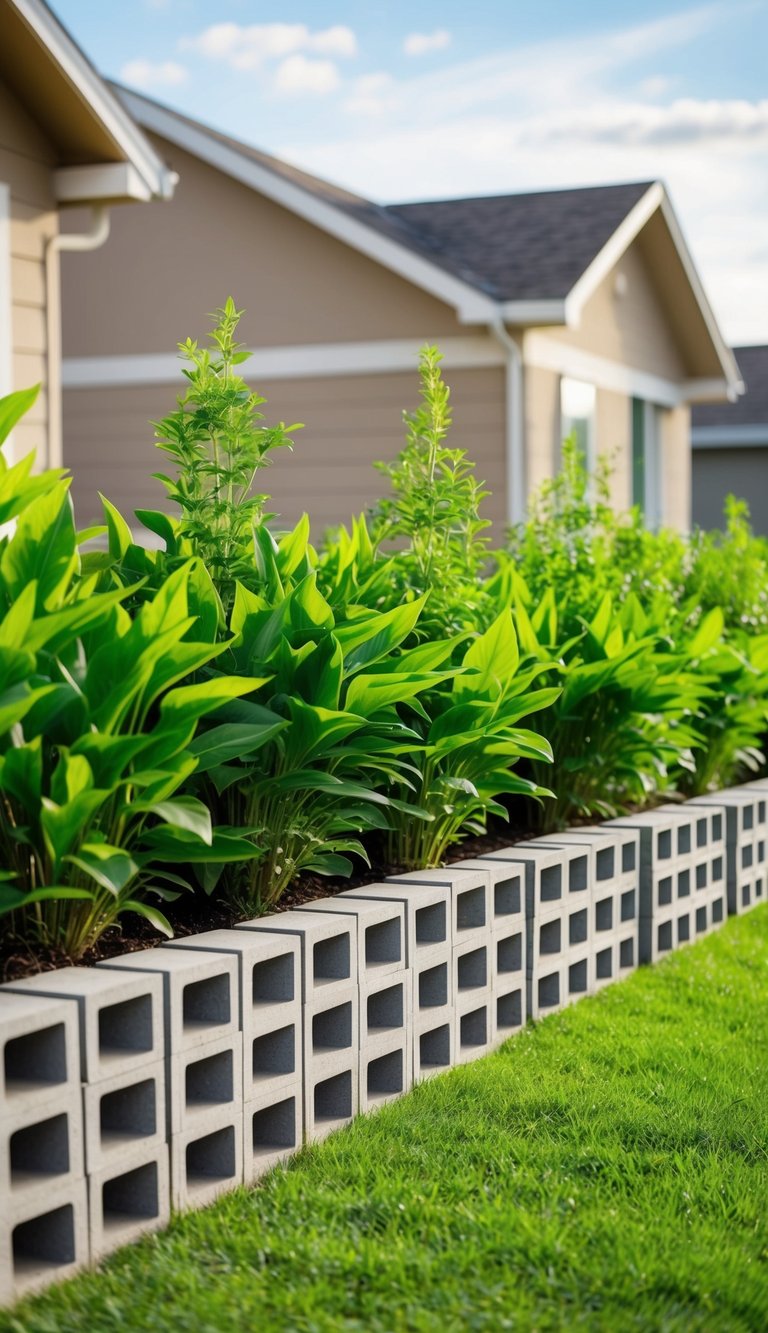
(158, 181)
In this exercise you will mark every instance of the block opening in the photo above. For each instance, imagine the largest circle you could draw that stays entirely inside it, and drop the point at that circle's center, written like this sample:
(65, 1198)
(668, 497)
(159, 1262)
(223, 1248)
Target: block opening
(433, 986)
(206, 1003)
(134, 1194)
(332, 1029)
(40, 1150)
(331, 958)
(211, 1081)
(385, 1075)
(274, 1053)
(36, 1058)
(384, 943)
(386, 1008)
(273, 980)
(333, 1097)
(274, 1127)
(212, 1157)
(129, 1113)
(126, 1026)
(472, 969)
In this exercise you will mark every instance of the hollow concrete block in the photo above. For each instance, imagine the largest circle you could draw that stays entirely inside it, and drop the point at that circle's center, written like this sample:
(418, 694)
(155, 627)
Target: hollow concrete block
(470, 897)
(328, 947)
(507, 890)
(120, 1015)
(200, 992)
(273, 1130)
(203, 1081)
(386, 1070)
(124, 1113)
(386, 1011)
(39, 1056)
(41, 1152)
(427, 910)
(43, 1241)
(379, 932)
(128, 1198)
(331, 1030)
(331, 1095)
(207, 1159)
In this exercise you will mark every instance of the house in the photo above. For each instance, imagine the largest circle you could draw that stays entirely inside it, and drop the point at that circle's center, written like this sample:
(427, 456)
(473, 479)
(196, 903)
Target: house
(730, 447)
(65, 141)
(569, 309)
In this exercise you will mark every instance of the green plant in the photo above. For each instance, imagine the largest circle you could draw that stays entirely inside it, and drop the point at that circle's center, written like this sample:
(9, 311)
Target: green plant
(94, 735)
(219, 447)
(433, 515)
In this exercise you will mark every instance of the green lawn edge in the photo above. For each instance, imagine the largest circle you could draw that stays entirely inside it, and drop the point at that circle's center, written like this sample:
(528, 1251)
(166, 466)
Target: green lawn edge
(607, 1169)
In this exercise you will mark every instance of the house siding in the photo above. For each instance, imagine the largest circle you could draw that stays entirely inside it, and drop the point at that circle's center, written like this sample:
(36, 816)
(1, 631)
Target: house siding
(351, 422)
(676, 463)
(26, 162)
(742, 472)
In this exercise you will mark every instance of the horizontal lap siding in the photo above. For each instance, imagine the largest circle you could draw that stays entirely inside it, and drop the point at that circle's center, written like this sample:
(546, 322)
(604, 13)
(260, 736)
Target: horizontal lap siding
(26, 163)
(350, 422)
(730, 471)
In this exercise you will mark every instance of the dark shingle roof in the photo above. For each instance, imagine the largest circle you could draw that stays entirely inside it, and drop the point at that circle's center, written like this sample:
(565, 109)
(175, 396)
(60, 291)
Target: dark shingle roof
(525, 246)
(510, 247)
(751, 409)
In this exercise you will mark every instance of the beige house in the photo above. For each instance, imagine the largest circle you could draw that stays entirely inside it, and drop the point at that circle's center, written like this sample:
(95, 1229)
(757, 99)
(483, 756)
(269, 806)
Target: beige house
(567, 309)
(65, 141)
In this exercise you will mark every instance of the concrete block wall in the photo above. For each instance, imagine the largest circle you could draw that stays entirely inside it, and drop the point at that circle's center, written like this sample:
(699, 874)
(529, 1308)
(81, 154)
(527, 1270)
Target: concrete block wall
(160, 1079)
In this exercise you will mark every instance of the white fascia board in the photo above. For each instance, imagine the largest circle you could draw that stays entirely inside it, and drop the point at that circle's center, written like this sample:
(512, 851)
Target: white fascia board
(612, 251)
(289, 362)
(471, 306)
(88, 84)
(709, 391)
(730, 437)
(114, 181)
(548, 353)
(533, 313)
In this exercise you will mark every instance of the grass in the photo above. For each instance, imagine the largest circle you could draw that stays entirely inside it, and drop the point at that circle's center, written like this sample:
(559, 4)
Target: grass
(608, 1169)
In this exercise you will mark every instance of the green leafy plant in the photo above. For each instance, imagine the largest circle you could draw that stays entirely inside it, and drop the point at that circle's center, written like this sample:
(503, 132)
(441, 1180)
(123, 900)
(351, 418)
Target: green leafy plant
(216, 439)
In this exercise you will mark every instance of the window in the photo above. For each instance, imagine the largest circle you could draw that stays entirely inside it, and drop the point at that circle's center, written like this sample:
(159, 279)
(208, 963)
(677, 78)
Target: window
(577, 416)
(646, 460)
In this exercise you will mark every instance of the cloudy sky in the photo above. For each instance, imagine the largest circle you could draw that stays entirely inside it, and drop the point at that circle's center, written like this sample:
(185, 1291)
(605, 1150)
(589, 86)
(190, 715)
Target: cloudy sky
(402, 102)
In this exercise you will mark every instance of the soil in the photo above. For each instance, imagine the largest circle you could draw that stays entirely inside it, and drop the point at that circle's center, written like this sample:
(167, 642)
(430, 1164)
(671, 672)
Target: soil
(197, 914)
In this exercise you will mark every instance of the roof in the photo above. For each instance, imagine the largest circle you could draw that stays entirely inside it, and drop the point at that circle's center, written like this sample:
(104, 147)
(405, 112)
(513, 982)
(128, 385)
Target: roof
(528, 260)
(101, 153)
(752, 408)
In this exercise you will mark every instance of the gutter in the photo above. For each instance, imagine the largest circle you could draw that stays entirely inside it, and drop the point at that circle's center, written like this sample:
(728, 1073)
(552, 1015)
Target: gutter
(90, 240)
(514, 433)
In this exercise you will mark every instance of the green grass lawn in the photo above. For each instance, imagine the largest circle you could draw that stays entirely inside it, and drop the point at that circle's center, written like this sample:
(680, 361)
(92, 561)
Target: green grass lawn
(606, 1170)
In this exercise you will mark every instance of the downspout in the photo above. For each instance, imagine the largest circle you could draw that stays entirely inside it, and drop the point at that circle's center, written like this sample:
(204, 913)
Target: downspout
(89, 240)
(515, 418)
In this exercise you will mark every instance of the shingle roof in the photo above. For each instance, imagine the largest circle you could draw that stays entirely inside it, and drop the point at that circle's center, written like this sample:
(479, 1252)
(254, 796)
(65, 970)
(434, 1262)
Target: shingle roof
(751, 409)
(510, 247)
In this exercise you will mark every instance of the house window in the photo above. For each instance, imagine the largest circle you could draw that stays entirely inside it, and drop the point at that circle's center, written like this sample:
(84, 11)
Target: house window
(646, 460)
(577, 416)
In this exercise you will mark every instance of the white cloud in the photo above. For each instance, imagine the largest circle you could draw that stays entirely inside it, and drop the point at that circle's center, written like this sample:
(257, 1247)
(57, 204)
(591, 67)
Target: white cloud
(251, 46)
(299, 75)
(148, 74)
(422, 43)
(372, 95)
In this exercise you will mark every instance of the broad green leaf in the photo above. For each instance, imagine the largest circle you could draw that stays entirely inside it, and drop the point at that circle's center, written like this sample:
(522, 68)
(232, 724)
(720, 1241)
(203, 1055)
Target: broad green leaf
(13, 407)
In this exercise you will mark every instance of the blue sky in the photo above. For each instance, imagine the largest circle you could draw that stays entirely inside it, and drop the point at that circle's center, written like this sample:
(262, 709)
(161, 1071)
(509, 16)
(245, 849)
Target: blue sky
(401, 102)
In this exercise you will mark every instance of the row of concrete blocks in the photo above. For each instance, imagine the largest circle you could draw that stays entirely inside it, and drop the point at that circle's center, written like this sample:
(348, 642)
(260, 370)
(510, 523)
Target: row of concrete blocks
(160, 1079)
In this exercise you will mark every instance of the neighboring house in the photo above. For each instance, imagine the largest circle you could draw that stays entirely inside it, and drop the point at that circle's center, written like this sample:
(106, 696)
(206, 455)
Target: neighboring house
(730, 447)
(65, 140)
(567, 309)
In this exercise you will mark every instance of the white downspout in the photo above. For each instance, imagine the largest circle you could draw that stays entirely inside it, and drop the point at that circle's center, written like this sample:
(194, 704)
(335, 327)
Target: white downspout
(515, 419)
(90, 240)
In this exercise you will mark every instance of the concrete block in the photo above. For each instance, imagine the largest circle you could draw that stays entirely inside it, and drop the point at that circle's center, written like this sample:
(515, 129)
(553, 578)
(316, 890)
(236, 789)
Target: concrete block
(40, 1056)
(386, 1070)
(331, 1031)
(386, 1012)
(475, 1032)
(553, 875)
(507, 956)
(433, 1016)
(547, 988)
(379, 932)
(207, 1160)
(427, 916)
(507, 1008)
(270, 1011)
(124, 1113)
(658, 831)
(273, 1130)
(470, 896)
(580, 967)
(200, 992)
(331, 1096)
(471, 968)
(43, 1242)
(628, 953)
(606, 961)
(205, 1081)
(41, 1153)
(128, 1198)
(328, 947)
(507, 890)
(120, 1015)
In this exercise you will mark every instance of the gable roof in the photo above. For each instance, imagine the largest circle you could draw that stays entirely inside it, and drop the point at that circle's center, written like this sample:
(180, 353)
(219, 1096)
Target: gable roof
(524, 259)
(102, 154)
(745, 421)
